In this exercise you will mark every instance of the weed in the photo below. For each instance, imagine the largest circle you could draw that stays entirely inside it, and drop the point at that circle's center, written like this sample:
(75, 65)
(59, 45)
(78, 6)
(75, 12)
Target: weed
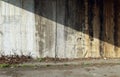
(85, 64)
(40, 59)
(65, 64)
(48, 65)
(4, 65)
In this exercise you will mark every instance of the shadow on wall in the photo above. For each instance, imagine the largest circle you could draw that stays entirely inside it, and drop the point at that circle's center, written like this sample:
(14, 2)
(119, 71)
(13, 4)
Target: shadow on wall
(99, 19)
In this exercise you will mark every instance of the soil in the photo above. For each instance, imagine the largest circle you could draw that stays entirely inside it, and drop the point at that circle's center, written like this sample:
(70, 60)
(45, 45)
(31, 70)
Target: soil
(98, 70)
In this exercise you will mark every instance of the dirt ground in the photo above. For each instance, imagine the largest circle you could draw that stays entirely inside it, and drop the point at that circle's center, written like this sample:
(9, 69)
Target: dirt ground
(99, 70)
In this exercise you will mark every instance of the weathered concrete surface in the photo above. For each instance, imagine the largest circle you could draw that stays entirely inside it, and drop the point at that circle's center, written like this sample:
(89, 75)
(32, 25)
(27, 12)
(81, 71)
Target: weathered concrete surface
(17, 28)
(60, 28)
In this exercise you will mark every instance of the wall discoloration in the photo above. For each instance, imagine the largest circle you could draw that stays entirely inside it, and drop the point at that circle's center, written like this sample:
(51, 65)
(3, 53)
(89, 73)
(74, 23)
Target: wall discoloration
(46, 27)
(117, 27)
(96, 31)
(60, 28)
(109, 28)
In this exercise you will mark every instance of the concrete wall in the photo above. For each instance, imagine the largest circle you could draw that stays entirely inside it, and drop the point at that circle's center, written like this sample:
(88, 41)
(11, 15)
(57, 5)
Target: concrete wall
(17, 28)
(60, 28)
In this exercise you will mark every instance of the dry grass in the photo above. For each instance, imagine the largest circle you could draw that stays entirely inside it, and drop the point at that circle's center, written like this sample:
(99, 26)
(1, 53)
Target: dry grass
(14, 59)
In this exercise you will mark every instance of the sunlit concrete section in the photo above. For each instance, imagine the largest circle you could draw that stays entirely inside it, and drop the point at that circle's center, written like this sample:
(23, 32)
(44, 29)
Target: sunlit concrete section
(17, 28)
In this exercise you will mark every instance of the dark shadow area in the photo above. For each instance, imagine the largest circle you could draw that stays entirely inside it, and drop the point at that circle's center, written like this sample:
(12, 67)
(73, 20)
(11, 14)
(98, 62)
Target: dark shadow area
(71, 13)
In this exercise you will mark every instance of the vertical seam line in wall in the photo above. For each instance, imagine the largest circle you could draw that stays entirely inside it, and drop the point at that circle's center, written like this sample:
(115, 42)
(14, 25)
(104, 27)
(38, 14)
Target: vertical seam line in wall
(56, 33)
